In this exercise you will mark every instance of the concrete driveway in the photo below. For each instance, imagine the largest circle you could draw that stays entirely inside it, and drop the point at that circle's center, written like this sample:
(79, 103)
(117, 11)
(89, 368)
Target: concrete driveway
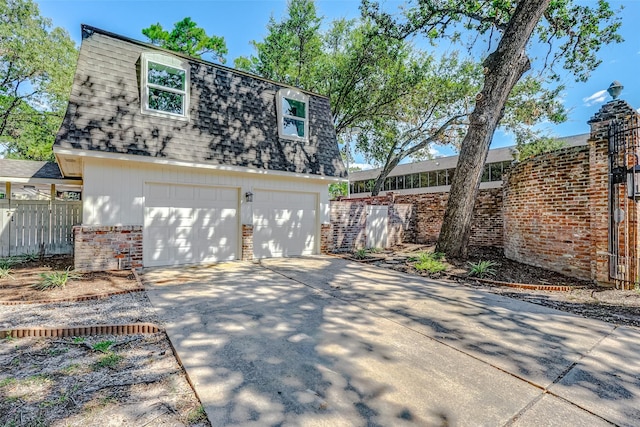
(323, 341)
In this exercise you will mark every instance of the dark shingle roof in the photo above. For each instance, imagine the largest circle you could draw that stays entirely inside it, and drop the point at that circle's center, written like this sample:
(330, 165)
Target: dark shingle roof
(29, 169)
(232, 115)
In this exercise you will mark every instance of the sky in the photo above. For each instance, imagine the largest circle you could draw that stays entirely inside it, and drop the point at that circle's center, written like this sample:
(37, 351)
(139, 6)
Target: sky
(241, 21)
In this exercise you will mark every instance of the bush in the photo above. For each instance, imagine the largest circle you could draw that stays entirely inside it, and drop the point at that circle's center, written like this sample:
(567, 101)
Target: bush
(360, 254)
(429, 262)
(55, 279)
(483, 268)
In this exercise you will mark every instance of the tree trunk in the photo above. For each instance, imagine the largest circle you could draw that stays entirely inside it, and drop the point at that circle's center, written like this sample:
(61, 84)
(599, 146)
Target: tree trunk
(377, 186)
(503, 68)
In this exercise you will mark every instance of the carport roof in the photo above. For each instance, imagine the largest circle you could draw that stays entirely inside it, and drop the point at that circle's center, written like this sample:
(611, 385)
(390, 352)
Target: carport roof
(28, 169)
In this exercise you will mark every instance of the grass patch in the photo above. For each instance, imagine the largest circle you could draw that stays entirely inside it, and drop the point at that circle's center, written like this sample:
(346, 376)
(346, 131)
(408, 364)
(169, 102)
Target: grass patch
(196, 415)
(7, 382)
(78, 340)
(55, 279)
(482, 268)
(430, 262)
(108, 361)
(102, 346)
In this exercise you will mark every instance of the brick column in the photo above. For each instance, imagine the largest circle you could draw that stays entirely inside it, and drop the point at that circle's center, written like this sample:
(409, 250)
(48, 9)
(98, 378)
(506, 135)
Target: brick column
(247, 242)
(326, 239)
(102, 248)
(617, 110)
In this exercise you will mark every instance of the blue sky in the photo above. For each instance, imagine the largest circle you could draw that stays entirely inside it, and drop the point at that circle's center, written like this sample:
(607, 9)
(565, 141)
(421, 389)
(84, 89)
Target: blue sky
(241, 21)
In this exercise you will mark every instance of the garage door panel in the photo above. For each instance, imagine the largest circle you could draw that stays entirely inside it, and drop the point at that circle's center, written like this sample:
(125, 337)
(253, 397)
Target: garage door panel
(284, 224)
(187, 224)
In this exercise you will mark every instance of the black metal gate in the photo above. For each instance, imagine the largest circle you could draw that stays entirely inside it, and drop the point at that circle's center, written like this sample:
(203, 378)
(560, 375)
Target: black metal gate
(624, 194)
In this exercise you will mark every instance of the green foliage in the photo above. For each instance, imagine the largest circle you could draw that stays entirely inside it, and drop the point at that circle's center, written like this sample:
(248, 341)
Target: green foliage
(361, 253)
(483, 268)
(431, 262)
(36, 72)
(55, 279)
(102, 346)
(539, 146)
(109, 360)
(186, 37)
(337, 189)
(7, 382)
(196, 415)
(78, 340)
(5, 272)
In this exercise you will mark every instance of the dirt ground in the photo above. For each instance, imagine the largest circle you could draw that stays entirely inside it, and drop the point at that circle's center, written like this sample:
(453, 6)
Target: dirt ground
(585, 298)
(87, 381)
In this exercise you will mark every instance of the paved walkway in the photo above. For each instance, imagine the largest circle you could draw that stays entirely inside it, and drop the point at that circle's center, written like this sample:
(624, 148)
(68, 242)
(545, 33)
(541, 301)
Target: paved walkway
(322, 341)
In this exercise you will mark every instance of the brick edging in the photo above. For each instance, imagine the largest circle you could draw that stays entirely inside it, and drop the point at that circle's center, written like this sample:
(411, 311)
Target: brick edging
(140, 288)
(528, 286)
(78, 331)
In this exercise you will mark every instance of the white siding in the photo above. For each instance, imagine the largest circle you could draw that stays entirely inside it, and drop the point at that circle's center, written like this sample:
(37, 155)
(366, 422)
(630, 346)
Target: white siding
(114, 189)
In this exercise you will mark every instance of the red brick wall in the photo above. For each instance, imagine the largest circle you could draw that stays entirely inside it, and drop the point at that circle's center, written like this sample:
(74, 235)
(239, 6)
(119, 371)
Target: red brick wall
(546, 212)
(348, 220)
(247, 242)
(415, 218)
(102, 248)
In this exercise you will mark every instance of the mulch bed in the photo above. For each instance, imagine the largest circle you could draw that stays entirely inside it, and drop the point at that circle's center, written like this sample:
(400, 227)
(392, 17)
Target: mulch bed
(18, 287)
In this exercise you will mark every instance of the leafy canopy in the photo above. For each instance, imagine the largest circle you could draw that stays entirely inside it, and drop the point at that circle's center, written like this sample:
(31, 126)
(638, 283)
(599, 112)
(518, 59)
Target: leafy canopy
(37, 63)
(186, 37)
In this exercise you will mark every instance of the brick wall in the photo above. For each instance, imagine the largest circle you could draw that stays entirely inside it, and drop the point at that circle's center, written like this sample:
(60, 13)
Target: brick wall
(101, 248)
(326, 239)
(348, 220)
(247, 242)
(546, 212)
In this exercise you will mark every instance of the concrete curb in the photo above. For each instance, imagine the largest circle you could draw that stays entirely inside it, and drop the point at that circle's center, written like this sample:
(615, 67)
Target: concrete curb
(79, 331)
(140, 288)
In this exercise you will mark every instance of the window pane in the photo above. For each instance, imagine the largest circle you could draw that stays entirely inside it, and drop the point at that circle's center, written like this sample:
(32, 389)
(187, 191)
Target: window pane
(400, 181)
(163, 75)
(293, 127)
(424, 179)
(415, 181)
(370, 184)
(165, 101)
(432, 179)
(442, 177)
(387, 184)
(291, 107)
(496, 171)
(485, 174)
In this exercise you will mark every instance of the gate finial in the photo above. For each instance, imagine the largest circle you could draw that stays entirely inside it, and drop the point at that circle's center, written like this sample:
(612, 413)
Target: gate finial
(614, 89)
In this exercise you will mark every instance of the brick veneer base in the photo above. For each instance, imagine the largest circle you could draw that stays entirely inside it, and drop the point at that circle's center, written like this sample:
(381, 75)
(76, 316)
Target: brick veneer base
(247, 242)
(103, 248)
(79, 331)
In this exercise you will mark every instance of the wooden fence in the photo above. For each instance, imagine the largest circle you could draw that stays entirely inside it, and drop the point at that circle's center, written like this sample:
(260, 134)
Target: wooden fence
(37, 227)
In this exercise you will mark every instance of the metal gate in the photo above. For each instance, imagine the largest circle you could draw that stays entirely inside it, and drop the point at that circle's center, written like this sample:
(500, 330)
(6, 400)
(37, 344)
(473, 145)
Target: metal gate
(624, 196)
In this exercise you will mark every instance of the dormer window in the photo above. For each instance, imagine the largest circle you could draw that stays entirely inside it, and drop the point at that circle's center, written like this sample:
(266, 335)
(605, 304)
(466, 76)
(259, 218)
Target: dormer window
(165, 82)
(293, 114)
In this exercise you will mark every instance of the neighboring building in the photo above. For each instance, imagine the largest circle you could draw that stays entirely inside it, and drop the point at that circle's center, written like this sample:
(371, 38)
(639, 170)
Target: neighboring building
(434, 176)
(36, 180)
(186, 161)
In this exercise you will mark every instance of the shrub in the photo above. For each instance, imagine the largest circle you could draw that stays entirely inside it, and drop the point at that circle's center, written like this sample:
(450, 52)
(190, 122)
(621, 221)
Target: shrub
(360, 254)
(430, 265)
(483, 268)
(55, 279)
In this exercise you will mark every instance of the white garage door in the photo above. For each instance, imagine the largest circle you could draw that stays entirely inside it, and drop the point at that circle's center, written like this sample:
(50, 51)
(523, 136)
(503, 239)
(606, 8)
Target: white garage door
(284, 224)
(186, 224)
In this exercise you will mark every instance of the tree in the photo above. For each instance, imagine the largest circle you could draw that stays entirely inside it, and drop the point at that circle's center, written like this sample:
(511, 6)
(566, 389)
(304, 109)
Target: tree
(186, 37)
(375, 83)
(36, 72)
(580, 32)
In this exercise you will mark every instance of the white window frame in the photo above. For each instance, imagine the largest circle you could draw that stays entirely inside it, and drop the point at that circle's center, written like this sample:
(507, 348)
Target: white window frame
(296, 96)
(169, 61)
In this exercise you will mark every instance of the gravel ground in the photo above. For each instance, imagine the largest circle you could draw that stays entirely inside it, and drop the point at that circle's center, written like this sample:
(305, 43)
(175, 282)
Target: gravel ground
(118, 309)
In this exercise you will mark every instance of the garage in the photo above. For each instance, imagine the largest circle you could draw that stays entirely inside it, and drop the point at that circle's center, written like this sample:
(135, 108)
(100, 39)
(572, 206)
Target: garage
(284, 224)
(188, 224)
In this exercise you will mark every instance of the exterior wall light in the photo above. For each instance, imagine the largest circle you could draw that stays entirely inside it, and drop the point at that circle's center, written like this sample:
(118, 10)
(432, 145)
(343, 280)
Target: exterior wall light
(248, 196)
(633, 182)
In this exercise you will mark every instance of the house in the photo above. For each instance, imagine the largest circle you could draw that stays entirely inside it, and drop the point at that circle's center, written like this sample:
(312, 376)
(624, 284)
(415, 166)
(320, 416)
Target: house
(36, 180)
(185, 161)
(434, 176)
